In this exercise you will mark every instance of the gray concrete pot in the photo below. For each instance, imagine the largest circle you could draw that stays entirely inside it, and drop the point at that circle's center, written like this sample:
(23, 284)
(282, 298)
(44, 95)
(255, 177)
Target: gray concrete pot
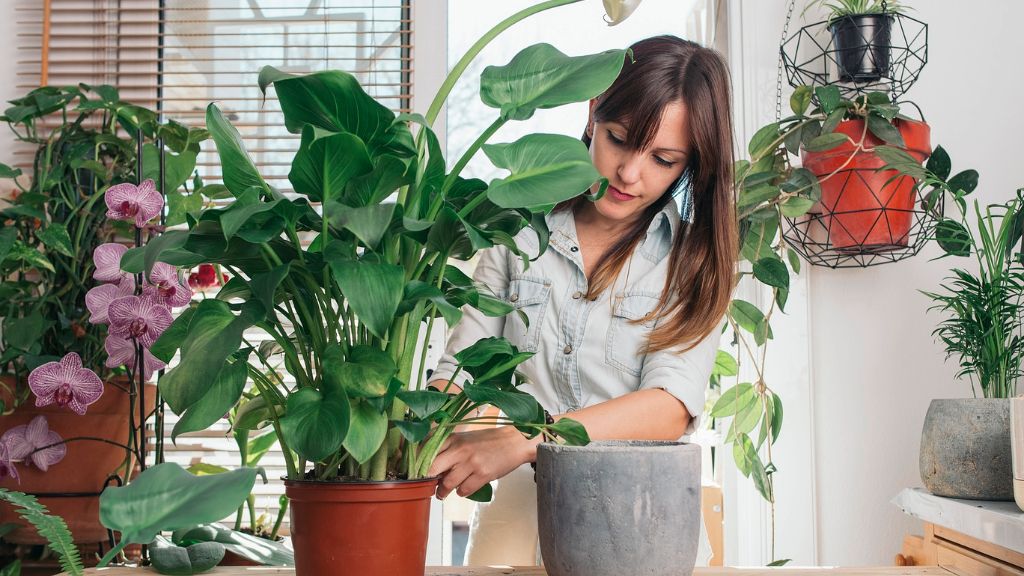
(619, 507)
(965, 449)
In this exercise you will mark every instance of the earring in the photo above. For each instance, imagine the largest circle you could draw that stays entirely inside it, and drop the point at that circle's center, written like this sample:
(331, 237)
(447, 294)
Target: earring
(683, 188)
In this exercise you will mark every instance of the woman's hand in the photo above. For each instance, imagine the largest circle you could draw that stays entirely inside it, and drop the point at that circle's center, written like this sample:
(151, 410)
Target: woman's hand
(468, 460)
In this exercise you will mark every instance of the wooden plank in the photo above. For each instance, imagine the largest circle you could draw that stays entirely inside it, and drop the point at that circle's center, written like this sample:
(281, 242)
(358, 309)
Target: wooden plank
(970, 562)
(986, 548)
(536, 571)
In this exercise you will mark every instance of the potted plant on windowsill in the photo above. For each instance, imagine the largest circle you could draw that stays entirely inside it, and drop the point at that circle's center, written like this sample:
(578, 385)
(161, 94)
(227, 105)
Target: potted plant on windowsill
(50, 229)
(861, 32)
(346, 292)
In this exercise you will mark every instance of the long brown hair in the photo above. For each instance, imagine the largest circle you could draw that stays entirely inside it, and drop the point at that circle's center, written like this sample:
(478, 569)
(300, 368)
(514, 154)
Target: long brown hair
(702, 262)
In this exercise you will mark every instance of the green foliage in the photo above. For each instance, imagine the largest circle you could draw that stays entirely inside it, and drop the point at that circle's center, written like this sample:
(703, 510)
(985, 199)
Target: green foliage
(53, 528)
(982, 309)
(840, 8)
(768, 189)
(49, 230)
(346, 311)
(174, 560)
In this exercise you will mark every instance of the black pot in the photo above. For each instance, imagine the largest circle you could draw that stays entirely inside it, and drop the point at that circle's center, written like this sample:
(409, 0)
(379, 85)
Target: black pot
(862, 46)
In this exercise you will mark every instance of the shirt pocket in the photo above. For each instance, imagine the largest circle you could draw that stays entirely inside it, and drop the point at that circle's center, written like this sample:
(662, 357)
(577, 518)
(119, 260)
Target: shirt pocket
(626, 336)
(529, 296)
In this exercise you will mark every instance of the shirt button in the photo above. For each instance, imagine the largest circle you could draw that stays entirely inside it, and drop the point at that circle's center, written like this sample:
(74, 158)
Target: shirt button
(513, 298)
(567, 349)
(577, 295)
(575, 248)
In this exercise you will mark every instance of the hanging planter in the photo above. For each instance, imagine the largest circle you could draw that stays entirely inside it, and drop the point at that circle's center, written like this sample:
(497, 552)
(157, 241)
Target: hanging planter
(862, 45)
(865, 209)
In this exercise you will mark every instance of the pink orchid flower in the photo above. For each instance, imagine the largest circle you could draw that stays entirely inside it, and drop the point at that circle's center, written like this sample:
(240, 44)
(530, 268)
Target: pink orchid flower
(65, 383)
(107, 258)
(121, 352)
(130, 202)
(24, 443)
(140, 318)
(98, 299)
(7, 464)
(166, 288)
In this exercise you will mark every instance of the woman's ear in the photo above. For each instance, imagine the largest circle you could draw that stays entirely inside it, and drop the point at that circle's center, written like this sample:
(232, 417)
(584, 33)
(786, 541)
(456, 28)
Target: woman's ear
(590, 118)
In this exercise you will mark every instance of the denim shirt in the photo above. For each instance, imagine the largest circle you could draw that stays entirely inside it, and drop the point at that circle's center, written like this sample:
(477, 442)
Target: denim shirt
(586, 352)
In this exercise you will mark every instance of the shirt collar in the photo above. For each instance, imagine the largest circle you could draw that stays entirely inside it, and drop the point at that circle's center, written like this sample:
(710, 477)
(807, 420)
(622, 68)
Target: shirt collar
(655, 245)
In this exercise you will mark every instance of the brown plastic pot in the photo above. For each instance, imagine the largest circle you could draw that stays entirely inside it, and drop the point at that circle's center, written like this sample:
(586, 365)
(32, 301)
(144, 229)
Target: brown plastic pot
(83, 470)
(360, 528)
(863, 208)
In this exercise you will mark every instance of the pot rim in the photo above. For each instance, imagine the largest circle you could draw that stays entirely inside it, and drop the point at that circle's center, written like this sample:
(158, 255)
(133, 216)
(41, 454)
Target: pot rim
(617, 446)
(360, 483)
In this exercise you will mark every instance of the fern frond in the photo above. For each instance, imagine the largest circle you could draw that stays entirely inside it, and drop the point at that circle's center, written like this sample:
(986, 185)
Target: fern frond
(50, 527)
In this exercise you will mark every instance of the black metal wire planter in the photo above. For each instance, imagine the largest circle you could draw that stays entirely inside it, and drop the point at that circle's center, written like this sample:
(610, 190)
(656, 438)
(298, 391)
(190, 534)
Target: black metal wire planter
(858, 54)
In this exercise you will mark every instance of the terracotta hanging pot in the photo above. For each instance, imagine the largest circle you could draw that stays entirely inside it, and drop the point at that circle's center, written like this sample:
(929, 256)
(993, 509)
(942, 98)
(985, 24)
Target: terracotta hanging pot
(360, 528)
(82, 471)
(864, 209)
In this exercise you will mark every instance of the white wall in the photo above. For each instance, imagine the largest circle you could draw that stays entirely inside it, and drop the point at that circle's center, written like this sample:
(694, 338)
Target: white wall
(875, 365)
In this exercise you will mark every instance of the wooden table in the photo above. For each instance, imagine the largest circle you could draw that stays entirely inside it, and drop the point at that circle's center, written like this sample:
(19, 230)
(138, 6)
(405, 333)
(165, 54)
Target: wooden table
(534, 571)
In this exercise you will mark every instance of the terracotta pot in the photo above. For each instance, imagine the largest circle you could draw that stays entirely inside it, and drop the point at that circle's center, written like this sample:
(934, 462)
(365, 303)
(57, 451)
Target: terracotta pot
(360, 528)
(863, 209)
(84, 468)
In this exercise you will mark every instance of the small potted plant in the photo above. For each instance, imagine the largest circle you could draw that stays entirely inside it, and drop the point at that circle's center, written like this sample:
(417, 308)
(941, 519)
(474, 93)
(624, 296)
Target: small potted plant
(60, 245)
(348, 290)
(861, 32)
(965, 443)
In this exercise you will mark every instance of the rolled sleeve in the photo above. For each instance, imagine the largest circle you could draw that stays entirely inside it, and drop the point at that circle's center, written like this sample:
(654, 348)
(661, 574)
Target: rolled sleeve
(683, 375)
(491, 274)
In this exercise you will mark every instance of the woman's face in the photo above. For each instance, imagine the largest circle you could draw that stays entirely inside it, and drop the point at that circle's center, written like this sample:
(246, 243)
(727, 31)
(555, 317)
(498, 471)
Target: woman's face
(638, 178)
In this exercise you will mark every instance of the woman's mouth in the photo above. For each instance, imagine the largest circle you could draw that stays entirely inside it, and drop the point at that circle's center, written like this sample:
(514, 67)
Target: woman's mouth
(619, 195)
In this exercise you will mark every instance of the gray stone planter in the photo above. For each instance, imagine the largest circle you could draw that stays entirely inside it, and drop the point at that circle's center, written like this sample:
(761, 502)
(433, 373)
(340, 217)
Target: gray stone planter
(965, 449)
(619, 507)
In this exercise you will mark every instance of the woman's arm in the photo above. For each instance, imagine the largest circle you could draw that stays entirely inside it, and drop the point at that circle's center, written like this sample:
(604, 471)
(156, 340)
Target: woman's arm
(469, 460)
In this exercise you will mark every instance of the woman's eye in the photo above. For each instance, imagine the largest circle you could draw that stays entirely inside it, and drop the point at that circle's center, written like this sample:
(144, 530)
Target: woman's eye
(663, 162)
(615, 139)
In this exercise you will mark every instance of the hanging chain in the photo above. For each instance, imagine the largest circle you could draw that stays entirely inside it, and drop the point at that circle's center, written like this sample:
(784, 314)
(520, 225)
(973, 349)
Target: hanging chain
(782, 44)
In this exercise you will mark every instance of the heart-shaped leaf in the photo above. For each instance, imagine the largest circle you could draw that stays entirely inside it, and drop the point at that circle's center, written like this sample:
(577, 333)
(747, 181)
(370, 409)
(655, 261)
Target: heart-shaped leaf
(546, 169)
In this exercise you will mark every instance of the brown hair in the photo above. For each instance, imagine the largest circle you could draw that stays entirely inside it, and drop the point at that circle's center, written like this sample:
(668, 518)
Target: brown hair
(698, 288)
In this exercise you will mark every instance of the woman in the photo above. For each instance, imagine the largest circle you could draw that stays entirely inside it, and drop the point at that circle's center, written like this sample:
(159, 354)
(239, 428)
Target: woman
(625, 306)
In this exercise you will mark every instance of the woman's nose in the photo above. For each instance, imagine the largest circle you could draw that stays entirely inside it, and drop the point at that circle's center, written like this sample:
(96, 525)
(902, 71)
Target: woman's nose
(629, 168)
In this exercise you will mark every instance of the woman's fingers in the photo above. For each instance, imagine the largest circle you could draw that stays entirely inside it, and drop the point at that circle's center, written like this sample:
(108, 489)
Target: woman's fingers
(471, 484)
(451, 480)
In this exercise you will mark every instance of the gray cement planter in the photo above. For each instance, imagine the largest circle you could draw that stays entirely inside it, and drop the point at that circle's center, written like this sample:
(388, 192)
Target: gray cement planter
(965, 449)
(619, 507)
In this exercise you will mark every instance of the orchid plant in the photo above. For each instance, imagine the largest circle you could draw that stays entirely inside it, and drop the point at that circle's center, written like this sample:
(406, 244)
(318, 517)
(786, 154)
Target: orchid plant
(347, 289)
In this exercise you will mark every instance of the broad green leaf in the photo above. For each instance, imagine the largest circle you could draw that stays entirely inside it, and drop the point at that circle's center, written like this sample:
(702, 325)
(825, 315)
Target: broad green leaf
(482, 351)
(373, 290)
(220, 397)
(326, 162)
(180, 205)
(368, 223)
(214, 334)
(574, 433)
(826, 142)
(833, 120)
(725, 364)
(22, 333)
(365, 373)
(30, 256)
(795, 206)
(55, 237)
(7, 238)
(542, 77)
(518, 406)
(756, 195)
(204, 469)
(776, 416)
(335, 102)
(173, 337)
(247, 546)
(828, 97)
(366, 432)
(800, 100)
(484, 494)
(794, 260)
(8, 172)
(413, 431)
(746, 418)
(177, 560)
(546, 169)
(883, 129)
(316, 424)
(166, 497)
(252, 413)
(746, 315)
(239, 171)
(257, 220)
(953, 238)
(763, 140)
(417, 291)
(423, 403)
(757, 243)
(939, 163)
(177, 167)
(899, 159)
(965, 181)
(733, 400)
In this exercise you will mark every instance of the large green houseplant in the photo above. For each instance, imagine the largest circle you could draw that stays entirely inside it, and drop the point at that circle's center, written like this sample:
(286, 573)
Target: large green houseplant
(348, 275)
